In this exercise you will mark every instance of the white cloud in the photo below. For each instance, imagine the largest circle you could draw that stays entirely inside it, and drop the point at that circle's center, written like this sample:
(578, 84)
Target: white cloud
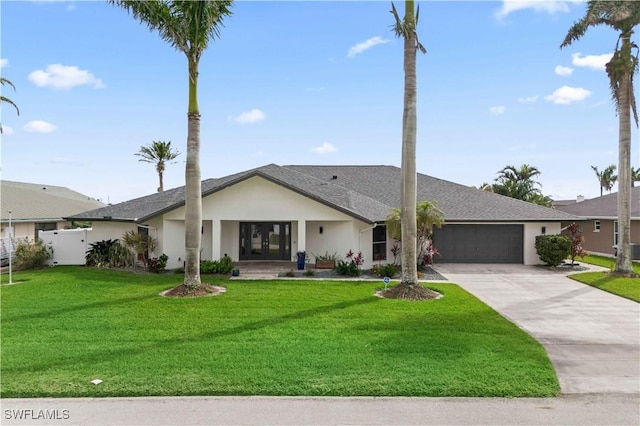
(60, 76)
(560, 70)
(7, 130)
(325, 148)
(248, 117)
(596, 62)
(528, 99)
(566, 95)
(497, 110)
(39, 126)
(551, 7)
(4, 62)
(365, 45)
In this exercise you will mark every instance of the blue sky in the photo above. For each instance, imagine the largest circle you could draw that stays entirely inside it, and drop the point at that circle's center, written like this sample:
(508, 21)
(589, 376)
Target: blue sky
(301, 82)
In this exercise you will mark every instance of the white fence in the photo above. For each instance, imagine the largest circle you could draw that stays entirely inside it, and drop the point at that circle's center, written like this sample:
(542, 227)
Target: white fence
(69, 245)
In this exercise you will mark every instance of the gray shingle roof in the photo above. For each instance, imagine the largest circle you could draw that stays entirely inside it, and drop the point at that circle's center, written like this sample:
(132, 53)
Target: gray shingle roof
(41, 202)
(605, 207)
(364, 192)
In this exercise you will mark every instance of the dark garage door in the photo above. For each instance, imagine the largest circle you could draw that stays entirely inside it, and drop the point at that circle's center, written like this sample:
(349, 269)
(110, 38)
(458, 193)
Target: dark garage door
(479, 243)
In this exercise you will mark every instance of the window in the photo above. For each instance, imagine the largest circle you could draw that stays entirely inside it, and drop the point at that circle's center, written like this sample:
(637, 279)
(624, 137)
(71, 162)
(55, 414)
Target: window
(380, 242)
(596, 226)
(615, 233)
(44, 226)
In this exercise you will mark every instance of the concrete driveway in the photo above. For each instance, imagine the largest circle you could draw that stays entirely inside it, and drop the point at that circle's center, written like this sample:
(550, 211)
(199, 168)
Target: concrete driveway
(592, 337)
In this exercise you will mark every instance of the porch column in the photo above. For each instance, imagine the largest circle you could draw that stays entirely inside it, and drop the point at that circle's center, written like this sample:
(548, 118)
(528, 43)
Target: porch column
(302, 235)
(216, 239)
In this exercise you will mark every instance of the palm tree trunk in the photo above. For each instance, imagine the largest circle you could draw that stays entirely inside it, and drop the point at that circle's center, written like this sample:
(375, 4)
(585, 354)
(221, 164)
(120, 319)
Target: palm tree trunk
(161, 183)
(409, 136)
(623, 261)
(193, 189)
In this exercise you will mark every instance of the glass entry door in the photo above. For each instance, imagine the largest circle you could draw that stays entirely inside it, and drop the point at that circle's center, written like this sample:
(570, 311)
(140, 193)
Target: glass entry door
(265, 241)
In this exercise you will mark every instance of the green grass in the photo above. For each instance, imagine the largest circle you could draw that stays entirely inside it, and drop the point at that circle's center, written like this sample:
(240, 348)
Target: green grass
(621, 286)
(65, 326)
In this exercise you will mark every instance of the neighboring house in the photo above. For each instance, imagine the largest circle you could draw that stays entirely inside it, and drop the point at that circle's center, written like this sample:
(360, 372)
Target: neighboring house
(600, 221)
(39, 207)
(272, 212)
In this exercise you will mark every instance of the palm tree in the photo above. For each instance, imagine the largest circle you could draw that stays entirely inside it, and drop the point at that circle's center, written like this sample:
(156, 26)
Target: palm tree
(158, 153)
(188, 26)
(623, 17)
(409, 288)
(635, 176)
(428, 215)
(519, 183)
(4, 81)
(606, 178)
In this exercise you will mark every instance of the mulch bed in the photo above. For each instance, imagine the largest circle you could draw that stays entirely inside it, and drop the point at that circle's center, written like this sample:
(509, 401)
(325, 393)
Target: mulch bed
(202, 290)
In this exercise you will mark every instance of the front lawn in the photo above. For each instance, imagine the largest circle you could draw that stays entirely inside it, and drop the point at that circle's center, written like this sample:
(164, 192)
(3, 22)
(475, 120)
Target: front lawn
(63, 327)
(621, 286)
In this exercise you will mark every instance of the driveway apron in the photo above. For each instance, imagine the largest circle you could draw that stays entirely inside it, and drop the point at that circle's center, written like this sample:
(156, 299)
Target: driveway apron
(592, 337)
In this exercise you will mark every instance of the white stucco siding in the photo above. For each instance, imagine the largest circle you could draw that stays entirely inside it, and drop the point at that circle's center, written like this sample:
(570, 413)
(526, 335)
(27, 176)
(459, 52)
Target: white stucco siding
(531, 231)
(173, 242)
(258, 199)
(109, 230)
(337, 237)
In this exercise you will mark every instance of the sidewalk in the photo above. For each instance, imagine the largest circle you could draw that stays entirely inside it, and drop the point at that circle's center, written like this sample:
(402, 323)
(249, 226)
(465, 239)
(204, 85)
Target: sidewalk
(568, 410)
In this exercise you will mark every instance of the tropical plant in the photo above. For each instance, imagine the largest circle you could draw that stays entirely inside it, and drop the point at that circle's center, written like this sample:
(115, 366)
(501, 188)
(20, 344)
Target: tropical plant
(622, 17)
(576, 242)
(606, 178)
(428, 215)
(157, 264)
(635, 176)
(158, 153)
(188, 26)
(140, 244)
(388, 270)
(351, 266)
(409, 288)
(107, 254)
(326, 256)
(519, 183)
(4, 81)
(32, 254)
(553, 249)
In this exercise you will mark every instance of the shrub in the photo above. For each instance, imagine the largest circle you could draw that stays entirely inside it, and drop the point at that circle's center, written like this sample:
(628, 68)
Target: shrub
(222, 266)
(157, 264)
(309, 273)
(553, 249)
(387, 270)
(326, 256)
(32, 255)
(351, 266)
(107, 253)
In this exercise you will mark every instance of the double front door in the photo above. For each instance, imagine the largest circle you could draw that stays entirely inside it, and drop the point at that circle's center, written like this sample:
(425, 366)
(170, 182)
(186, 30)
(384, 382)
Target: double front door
(265, 241)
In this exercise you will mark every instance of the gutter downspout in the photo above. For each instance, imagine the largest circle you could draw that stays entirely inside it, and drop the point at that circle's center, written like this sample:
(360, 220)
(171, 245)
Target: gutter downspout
(360, 235)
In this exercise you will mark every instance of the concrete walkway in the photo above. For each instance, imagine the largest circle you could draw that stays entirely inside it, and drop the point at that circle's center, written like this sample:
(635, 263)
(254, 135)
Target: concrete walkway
(592, 337)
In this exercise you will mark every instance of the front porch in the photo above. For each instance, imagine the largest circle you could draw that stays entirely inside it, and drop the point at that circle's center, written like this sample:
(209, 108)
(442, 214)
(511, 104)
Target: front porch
(264, 269)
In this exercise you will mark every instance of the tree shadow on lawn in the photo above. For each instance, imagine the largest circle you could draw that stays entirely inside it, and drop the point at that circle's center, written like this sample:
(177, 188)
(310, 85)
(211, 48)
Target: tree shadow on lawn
(7, 318)
(101, 354)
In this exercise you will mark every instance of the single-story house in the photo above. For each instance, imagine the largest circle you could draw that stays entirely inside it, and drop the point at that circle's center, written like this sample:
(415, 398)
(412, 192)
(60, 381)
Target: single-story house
(599, 218)
(39, 207)
(272, 212)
